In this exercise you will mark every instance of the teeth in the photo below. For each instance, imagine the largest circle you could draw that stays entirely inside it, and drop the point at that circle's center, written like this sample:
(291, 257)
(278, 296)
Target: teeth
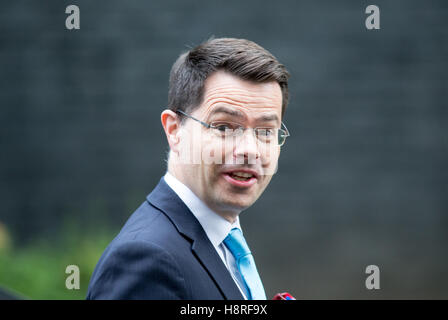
(241, 176)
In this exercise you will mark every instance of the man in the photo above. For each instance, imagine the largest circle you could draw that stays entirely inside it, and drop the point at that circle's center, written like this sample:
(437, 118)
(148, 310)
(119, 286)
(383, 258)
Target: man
(224, 128)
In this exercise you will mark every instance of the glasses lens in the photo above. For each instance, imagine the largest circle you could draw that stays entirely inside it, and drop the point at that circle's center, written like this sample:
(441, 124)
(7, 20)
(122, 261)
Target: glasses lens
(226, 129)
(265, 134)
(281, 137)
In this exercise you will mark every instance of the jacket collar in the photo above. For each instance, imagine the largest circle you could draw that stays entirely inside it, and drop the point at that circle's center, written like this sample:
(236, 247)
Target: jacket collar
(166, 200)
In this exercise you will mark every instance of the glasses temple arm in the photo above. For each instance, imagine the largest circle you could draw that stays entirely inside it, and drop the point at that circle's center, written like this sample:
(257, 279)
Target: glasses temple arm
(286, 129)
(193, 118)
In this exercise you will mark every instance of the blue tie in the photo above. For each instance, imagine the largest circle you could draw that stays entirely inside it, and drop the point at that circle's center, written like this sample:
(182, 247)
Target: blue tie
(237, 245)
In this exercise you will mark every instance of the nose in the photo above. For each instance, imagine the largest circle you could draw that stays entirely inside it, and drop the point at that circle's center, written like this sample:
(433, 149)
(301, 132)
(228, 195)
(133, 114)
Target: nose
(246, 150)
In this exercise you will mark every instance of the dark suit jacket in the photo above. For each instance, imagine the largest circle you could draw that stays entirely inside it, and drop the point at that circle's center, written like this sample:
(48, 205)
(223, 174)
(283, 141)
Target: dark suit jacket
(162, 252)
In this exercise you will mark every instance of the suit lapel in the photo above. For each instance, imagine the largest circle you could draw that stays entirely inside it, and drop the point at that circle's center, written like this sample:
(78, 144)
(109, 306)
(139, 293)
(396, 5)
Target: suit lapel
(165, 199)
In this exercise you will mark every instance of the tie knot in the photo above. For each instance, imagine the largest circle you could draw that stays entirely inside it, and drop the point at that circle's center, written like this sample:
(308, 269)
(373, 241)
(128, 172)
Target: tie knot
(236, 243)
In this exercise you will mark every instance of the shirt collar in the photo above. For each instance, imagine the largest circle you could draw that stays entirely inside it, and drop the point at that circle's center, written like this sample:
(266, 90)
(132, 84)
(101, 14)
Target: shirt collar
(216, 227)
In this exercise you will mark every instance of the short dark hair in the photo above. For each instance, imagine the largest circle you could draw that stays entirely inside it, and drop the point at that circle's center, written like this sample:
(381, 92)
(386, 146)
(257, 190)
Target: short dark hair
(240, 57)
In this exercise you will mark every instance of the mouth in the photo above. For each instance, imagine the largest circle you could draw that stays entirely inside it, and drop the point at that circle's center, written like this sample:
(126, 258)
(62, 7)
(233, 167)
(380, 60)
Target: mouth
(241, 178)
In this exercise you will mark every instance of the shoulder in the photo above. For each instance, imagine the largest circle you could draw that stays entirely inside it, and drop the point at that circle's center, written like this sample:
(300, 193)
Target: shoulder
(143, 261)
(137, 269)
(149, 224)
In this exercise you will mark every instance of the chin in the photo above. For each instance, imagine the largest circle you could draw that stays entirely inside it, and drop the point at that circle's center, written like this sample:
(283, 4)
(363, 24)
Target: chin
(236, 203)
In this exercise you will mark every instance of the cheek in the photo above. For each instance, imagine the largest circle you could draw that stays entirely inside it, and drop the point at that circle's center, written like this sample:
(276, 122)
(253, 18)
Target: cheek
(212, 157)
(213, 152)
(269, 158)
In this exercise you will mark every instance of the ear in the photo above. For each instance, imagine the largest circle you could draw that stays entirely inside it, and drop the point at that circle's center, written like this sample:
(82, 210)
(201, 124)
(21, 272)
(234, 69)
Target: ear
(171, 126)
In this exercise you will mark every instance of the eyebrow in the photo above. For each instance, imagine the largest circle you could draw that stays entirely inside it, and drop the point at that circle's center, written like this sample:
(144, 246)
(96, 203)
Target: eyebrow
(239, 114)
(231, 112)
(268, 117)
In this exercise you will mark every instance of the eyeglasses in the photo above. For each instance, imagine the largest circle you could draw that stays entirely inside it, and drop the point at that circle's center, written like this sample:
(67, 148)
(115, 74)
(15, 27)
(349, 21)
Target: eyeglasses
(232, 129)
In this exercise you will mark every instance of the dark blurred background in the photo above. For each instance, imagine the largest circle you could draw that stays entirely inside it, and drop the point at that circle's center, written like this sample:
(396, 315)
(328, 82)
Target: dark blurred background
(362, 180)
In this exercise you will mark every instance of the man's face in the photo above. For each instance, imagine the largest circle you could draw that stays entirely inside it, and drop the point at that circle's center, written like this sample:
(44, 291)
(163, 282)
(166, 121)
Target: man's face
(231, 173)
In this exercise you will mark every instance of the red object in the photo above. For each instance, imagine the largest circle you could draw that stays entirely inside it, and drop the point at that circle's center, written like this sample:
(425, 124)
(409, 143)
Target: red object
(283, 296)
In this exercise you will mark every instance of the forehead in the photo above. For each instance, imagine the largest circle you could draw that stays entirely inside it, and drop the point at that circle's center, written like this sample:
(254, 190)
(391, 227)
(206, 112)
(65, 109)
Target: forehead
(251, 98)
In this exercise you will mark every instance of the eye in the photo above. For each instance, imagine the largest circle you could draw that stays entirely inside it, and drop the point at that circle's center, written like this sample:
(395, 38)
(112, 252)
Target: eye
(265, 132)
(223, 126)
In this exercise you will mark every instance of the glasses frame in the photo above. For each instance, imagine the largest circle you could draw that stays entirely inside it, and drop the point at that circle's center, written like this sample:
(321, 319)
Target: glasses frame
(209, 126)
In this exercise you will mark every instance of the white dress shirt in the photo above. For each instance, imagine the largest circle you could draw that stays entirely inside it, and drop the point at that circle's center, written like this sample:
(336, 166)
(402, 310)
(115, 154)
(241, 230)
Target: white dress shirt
(216, 227)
